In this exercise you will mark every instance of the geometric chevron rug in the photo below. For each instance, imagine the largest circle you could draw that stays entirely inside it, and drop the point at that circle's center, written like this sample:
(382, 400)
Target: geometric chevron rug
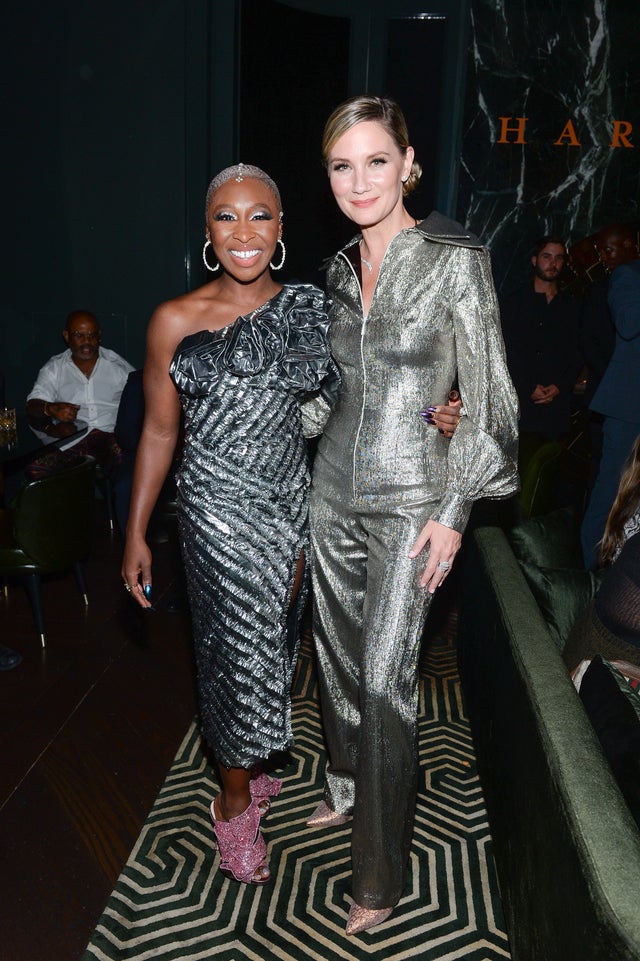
(172, 903)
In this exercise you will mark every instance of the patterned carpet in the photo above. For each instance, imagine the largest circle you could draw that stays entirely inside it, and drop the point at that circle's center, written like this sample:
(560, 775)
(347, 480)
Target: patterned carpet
(170, 902)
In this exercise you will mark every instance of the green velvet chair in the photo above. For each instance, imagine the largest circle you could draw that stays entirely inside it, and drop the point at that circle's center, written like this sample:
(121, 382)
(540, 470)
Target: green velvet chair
(48, 531)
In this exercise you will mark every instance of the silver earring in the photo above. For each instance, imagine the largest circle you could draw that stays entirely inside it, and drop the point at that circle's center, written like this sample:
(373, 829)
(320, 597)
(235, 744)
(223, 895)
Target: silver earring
(204, 257)
(284, 254)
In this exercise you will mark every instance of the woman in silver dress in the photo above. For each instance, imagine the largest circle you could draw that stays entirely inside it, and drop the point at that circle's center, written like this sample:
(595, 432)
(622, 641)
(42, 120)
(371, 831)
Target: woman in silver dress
(239, 355)
(414, 310)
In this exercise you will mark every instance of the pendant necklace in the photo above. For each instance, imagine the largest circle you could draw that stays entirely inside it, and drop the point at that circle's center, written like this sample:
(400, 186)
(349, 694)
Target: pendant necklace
(367, 263)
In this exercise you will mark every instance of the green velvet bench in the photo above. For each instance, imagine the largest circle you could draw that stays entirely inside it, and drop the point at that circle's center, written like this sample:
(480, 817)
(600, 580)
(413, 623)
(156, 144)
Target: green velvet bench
(566, 846)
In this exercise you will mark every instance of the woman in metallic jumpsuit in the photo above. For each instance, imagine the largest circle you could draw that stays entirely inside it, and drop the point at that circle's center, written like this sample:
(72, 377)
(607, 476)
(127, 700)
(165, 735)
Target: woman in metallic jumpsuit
(414, 310)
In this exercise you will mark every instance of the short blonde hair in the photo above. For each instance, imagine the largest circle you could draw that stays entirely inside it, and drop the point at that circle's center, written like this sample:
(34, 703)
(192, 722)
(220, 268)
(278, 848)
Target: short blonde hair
(239, 172)
(381, 110)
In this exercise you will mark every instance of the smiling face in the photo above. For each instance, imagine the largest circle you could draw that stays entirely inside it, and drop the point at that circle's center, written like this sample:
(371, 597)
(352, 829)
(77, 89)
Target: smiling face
(366, 172)
(243, 225)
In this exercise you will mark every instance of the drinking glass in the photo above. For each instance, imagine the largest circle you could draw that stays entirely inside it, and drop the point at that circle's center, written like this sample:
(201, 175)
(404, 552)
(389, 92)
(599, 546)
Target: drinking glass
(8, 419)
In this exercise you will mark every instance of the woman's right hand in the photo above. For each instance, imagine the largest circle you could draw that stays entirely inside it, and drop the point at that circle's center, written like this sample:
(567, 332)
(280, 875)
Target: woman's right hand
(445, 418)
(136, 570)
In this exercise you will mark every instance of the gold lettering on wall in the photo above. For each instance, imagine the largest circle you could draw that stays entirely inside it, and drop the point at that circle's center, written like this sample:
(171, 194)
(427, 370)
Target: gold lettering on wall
(622, 130)
(568, 136)
(512, 130)
(506, 129)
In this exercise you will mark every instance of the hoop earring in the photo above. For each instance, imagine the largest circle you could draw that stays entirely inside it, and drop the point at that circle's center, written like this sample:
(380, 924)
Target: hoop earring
(284, 254)
(204, 257)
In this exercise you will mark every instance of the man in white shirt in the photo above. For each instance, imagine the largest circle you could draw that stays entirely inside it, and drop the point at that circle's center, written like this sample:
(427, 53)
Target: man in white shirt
(84, 382)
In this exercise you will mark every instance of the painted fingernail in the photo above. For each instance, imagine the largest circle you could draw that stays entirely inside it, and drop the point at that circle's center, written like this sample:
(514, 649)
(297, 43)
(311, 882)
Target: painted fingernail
(147, 591)
(431, 410)
(440, 430)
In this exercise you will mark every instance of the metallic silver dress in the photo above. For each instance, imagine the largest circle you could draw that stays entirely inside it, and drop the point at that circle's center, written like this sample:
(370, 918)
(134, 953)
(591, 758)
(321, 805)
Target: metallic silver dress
(380, 473)
(242, 499)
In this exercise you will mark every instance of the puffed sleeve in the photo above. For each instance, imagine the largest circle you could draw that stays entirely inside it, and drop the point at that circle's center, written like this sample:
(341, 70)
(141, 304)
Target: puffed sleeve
(482, 457)
(316, 408)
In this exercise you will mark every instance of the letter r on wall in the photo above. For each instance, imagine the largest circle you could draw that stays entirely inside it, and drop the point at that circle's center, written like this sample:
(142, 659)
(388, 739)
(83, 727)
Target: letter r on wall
(622, 130)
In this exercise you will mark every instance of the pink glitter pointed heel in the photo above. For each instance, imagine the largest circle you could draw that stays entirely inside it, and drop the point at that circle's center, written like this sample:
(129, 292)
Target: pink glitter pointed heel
(262, 789)
(243, 850)
(324, 817)
(361, 919)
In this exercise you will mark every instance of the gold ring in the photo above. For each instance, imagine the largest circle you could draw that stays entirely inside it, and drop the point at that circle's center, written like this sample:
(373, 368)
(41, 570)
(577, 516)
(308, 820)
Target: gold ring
(127, 587)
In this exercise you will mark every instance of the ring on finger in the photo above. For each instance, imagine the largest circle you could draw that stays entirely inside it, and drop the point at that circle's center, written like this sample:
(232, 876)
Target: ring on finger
(444, 566)
(127, 587)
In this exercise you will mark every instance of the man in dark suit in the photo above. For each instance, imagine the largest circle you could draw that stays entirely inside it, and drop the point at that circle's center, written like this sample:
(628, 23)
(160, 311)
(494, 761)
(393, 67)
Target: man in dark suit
(540, 328)
(617, 396)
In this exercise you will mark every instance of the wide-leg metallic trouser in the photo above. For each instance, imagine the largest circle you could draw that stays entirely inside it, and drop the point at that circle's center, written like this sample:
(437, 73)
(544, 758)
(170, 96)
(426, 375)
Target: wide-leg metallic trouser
(369, 614)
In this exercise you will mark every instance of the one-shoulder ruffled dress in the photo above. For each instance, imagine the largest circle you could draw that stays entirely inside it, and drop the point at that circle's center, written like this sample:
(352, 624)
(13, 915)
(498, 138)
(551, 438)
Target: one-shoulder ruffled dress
(242, 511)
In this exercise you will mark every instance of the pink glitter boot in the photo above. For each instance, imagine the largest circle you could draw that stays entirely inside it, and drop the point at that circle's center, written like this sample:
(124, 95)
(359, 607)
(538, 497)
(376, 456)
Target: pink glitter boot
(243, 851)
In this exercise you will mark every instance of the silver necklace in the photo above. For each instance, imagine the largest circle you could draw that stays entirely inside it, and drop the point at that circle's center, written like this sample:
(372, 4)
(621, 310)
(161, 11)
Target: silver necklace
(367, 263)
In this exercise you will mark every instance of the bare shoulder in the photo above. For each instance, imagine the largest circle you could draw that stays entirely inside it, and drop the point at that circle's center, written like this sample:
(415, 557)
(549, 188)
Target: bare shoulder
(189, 313)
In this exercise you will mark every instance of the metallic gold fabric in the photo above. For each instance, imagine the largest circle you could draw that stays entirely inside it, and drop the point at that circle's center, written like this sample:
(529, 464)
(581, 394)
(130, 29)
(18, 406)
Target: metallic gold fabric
(242, 497)
(380, 473)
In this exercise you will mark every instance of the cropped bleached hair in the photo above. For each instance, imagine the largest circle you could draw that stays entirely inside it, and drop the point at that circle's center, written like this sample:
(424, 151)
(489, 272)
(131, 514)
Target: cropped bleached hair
(240, 172)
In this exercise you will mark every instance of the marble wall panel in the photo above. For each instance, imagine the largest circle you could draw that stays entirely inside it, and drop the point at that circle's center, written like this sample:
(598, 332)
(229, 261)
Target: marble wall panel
(551, 61)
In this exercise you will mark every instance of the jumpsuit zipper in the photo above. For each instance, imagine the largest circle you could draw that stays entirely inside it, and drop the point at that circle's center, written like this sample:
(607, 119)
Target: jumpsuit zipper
(364, 374)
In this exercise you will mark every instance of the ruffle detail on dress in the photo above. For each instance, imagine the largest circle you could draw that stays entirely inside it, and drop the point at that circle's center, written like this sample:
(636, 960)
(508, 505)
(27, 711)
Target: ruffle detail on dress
(287, 338)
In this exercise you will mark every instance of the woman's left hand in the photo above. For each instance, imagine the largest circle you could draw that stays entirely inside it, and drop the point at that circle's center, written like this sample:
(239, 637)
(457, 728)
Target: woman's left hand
(444, 544)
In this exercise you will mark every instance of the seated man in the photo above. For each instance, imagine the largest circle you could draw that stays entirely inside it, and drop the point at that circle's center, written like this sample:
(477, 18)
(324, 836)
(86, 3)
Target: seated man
(84, 382)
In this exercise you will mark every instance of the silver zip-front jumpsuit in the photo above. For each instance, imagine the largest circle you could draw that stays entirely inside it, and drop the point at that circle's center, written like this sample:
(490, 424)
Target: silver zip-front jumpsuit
(380, 473)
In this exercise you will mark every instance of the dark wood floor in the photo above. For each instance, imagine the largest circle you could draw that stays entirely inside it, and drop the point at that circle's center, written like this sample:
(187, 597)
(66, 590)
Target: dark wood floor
(89, 729)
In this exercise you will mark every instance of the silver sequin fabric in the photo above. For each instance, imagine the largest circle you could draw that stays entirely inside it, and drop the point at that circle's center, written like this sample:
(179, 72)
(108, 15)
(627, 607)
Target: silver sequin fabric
(380, 473)
(242, 502)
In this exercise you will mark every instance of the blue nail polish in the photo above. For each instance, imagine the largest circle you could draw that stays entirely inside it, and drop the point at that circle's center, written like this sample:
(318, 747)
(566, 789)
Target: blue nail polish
(147, 591)
(431, 410)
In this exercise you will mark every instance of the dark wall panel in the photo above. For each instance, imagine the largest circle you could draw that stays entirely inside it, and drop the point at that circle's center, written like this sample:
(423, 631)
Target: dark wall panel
(293, 72)
(95, 212)
(415, 79)
(549, 63)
